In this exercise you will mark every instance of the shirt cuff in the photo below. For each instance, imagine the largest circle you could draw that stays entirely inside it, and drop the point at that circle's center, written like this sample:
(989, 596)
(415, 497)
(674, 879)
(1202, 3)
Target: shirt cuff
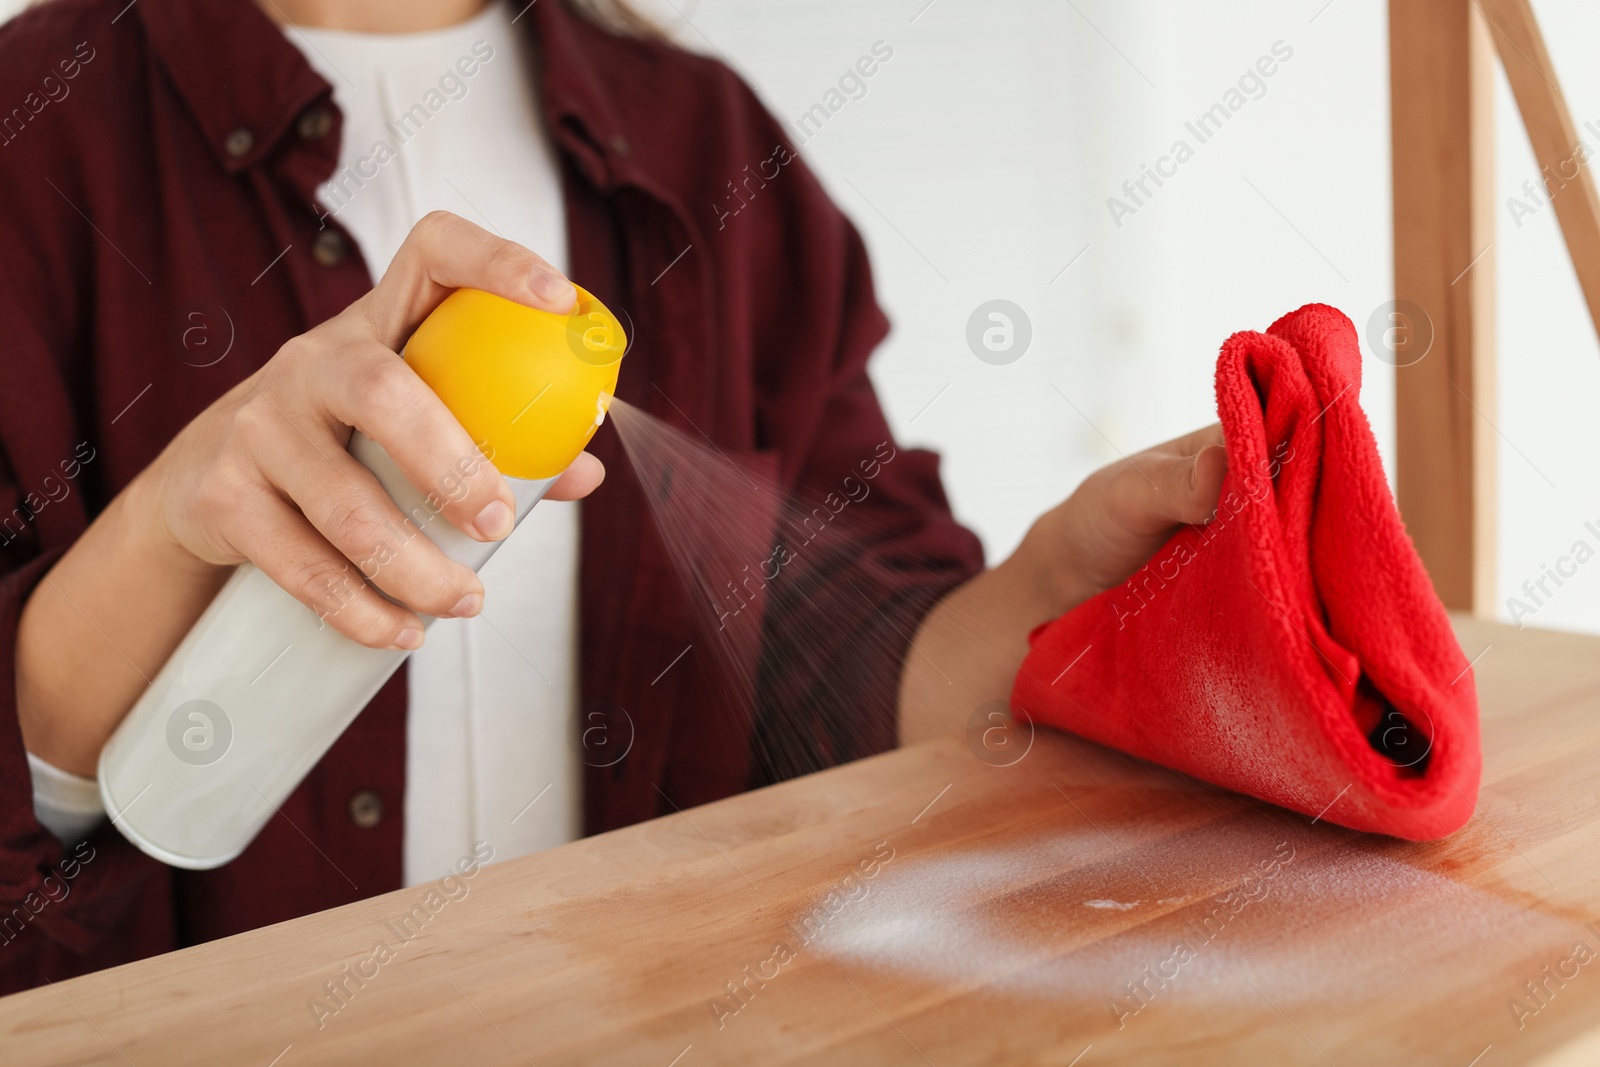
(64, 804)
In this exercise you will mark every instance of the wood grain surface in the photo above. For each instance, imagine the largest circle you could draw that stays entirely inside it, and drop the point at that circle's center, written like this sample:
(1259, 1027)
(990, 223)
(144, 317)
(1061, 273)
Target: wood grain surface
(947, 904)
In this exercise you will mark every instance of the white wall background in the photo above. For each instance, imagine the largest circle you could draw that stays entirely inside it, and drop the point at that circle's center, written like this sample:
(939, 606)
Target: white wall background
(978, 164)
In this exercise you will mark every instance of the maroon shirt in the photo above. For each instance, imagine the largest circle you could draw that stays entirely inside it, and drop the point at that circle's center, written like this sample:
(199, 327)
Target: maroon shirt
(157, 159)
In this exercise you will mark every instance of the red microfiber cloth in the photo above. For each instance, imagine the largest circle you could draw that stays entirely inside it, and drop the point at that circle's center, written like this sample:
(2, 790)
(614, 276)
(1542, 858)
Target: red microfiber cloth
(1293, 647)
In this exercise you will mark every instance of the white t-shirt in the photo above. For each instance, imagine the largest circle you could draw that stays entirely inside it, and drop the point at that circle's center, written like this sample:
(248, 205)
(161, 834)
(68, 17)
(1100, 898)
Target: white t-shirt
(490, 699)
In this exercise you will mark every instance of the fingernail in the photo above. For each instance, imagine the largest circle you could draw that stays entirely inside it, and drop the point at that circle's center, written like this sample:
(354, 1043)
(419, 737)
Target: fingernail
(494, 521)
(410, 639)
(553, 288)
(466, 607)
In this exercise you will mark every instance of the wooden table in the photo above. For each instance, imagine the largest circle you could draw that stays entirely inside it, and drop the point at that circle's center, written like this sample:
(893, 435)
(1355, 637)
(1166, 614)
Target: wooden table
(1074, 907)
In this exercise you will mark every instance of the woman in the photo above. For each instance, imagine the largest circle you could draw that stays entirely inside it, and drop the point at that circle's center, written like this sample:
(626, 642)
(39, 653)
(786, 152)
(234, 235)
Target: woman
(197, 200)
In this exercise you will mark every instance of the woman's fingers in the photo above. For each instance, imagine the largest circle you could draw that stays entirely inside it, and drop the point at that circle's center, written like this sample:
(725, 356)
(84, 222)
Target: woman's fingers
(1172, 483)
(580, 479)
(445, 252)
(1122, 513)
(381, 396)
(1192, 442)
(1210, 467)
(277, 538)
(264, 474)
(346, 505)
(1189, 485)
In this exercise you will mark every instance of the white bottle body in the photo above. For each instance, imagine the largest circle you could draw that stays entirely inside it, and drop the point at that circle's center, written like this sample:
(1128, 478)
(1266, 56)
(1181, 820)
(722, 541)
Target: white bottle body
(252, 698)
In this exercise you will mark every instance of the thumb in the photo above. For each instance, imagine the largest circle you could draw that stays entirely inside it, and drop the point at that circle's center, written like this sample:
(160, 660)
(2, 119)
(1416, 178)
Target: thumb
(1185, 478)
(580, 479)
(1207, 470)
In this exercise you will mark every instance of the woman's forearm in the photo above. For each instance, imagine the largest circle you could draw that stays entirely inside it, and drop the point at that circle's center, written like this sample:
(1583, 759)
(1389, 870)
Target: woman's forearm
(100, 625)
(970, 646)
(262, 475)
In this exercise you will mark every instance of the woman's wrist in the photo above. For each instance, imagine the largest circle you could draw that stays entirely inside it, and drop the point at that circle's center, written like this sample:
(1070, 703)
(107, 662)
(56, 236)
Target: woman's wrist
(126, 587)
(1047, 562)
(978, 634)
(141, 517)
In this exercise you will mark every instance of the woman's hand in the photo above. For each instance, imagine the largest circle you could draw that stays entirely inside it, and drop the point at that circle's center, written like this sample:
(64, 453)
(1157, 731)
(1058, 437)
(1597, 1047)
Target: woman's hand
(1121, 514)
(971, 645)
(263, 475)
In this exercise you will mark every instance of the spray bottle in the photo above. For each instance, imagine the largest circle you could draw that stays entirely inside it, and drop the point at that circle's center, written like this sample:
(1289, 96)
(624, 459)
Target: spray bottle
(261, 687)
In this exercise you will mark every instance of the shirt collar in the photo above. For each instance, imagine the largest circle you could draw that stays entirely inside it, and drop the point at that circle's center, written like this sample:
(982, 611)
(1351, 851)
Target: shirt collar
(236, 72)
(579, 104)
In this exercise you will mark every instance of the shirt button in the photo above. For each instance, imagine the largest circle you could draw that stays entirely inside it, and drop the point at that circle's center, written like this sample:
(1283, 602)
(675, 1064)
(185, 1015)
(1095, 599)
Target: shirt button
(238, 143)
(329, 248)
(619, 144)
(315, 123)
(366, 809)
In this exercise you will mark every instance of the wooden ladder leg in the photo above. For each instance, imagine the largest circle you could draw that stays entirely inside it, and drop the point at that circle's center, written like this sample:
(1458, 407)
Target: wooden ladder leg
(1442, 133)
(1565, 153)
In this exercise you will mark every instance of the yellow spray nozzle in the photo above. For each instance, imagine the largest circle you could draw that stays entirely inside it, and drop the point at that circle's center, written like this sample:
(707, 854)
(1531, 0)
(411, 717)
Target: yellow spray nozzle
(530, 386)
